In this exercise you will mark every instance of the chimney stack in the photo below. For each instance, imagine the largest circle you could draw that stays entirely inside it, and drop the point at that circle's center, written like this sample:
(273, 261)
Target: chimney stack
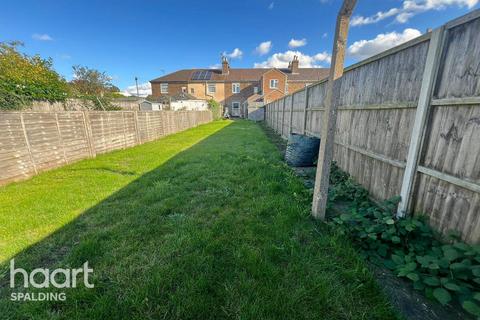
(294, 65)
(225, 66)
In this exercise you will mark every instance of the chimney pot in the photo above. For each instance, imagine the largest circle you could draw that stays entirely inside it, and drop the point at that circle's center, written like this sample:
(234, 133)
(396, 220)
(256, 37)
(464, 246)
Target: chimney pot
(293, 66)
(225, 65)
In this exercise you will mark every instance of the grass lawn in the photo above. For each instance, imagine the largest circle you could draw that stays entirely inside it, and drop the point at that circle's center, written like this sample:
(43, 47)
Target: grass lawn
(204, 224)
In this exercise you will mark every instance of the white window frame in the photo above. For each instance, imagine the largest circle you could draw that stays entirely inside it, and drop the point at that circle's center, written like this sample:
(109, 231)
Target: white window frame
(163, 87)
(209, 88)
(236, 87)
(192, 90)
(273, 83)
(255, 90)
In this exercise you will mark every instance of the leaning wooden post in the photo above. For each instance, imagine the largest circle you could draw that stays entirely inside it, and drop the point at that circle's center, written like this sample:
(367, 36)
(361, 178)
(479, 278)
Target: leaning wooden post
(325, 153)
(421, 116)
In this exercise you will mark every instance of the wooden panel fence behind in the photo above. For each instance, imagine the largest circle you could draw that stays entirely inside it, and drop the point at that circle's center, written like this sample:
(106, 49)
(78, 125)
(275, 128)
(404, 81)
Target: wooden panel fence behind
(378, 102)
(32, 142)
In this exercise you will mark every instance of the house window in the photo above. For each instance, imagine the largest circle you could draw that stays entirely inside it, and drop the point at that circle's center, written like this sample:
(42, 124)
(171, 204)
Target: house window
(211, 88)
(163, 87)
(255, 90)
(235, 87)
(184, 89)
(273, 83)
(192, 90)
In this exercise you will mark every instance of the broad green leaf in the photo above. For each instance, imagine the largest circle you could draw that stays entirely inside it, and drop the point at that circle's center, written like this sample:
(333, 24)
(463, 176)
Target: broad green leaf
(442, 295)
(471, 307)
(432, 281)
(413, 276)
(395, 239)
(451, 286)
(397, 259)
(451, 254)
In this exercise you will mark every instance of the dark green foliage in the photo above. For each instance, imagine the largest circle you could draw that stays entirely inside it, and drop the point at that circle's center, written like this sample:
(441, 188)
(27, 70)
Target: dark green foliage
(408, 246)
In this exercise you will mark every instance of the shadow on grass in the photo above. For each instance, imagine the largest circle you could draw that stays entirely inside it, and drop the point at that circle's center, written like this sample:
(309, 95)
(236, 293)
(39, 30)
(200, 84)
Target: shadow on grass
(220, 230)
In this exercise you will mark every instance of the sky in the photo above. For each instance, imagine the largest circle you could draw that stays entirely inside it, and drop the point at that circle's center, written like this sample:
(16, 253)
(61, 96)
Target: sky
(150, 38)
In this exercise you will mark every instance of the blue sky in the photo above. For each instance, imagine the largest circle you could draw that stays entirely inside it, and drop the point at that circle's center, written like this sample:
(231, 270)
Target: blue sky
(148, 38)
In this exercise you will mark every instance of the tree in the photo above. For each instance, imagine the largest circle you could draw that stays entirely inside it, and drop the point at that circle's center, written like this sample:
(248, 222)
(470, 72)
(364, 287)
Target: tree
(91, 82)
(24, 78)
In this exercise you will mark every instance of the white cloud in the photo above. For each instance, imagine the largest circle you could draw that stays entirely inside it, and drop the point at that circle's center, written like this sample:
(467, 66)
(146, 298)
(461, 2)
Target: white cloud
(324, 35)
(271, 5)
(294, 43)
(215, 66)
(363, 49)
(41, 37)
(411, 8)
(264, 48)
(235, 54)
(144, 90)
(281, 60)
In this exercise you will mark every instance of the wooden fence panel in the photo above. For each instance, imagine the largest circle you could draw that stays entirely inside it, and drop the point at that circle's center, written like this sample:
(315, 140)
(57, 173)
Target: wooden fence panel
(32, 142)
(15, 158)
(44, 139)
(459, 75)
(74, 135)
(377, 106)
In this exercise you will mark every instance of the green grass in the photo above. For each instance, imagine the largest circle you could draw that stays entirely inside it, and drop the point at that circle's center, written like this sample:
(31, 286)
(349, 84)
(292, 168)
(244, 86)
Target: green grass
(204, 224)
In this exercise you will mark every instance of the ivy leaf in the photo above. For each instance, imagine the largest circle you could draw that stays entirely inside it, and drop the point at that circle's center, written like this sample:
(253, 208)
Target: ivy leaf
(442, 296)
(471, 307)
(395, 239)
(476, 296)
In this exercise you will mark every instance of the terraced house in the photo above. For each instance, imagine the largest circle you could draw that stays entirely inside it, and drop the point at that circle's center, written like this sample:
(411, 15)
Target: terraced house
(240, 90)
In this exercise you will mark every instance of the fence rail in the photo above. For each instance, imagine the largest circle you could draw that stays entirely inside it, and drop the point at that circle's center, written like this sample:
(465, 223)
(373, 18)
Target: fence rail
(412, 108)
(32, 142)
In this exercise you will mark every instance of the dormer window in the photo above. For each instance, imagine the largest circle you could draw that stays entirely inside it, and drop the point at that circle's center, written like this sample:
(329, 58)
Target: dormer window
(273, 83)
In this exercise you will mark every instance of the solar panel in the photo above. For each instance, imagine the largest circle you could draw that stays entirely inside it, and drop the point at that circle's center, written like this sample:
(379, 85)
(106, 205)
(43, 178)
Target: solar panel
(196, 75)
(202, 75)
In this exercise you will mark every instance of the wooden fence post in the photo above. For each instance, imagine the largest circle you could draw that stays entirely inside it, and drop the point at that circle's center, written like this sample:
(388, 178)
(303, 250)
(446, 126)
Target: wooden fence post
(135, 121)
(305, 112)
(88, 133)
(325, 154)
(421, 117)
(60, 138)
(27, 143)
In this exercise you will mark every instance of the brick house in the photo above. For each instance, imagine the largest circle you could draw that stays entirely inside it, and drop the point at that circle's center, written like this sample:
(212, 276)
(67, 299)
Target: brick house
(239, 90)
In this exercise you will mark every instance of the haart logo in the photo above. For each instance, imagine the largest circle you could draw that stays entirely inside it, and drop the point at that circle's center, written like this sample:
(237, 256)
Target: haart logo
(44, 278)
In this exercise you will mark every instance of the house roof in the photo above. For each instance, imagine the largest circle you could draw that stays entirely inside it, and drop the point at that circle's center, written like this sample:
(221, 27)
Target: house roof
(242, 75)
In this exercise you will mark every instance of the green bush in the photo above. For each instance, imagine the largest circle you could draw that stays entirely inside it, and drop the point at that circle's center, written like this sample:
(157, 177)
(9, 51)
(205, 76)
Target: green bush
(216, 109)
(444, 271)
(24, 79)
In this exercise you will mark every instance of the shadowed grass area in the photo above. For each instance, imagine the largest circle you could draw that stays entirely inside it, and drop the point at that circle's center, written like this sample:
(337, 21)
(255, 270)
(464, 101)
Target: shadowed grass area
(219, 231)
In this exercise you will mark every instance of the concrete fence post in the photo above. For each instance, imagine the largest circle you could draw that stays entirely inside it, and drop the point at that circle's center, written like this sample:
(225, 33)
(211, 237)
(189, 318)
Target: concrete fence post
(290, 128)
(305, 112)
(430, 71)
